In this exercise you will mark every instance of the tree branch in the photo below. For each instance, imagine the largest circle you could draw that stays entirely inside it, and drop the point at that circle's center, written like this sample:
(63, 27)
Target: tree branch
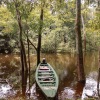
(32, 44)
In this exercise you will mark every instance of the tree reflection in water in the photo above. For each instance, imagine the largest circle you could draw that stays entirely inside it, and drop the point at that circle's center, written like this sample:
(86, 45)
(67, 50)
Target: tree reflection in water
(65, 66)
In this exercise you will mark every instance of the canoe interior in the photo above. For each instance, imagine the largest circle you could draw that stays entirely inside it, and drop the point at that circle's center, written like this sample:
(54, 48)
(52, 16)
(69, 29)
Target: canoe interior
(47, 79)
(46, 76)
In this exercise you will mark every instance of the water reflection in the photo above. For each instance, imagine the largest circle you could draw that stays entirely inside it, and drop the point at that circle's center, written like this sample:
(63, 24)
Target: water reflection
(90, 89)
(67, 93)
(5, 89)
(65, 66)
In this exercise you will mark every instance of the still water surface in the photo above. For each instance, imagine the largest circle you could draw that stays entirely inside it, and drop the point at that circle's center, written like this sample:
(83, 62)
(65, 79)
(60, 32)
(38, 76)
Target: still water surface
(64, 65)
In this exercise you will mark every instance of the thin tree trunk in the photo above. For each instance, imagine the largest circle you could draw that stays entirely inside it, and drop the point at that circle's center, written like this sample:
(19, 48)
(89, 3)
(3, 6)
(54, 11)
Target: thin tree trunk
(22, 57)
(84, 34)
(22, 50)
(98, 81)
(28, 60)
(39, 36)
(80, 67)
(38, 49)
(26, 70)
(23, 74)
(25, 59)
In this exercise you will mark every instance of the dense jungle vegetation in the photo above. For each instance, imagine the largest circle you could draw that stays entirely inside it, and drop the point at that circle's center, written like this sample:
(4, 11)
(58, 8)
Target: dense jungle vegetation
(49, 26)
(58, 29)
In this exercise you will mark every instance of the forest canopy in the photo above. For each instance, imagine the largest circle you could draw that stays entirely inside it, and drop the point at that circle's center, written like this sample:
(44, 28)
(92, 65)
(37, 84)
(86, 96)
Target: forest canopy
(58, 31)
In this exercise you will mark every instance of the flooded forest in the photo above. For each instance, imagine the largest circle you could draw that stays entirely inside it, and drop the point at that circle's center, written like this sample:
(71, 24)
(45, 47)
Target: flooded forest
(49, 50)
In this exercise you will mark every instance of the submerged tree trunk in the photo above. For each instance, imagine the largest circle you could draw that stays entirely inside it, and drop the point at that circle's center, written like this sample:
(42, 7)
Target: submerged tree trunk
(28, 59)
(98, 81)
(39, 36)
(80, 67)
(25, 71)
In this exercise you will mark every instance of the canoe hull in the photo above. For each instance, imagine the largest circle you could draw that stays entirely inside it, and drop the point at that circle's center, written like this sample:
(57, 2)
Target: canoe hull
(47, 80)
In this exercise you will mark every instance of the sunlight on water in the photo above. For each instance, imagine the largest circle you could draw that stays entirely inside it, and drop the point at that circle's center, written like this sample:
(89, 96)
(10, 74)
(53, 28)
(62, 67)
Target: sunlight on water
(33, 92)
(6, 90)
(90, 89)
(67, 93)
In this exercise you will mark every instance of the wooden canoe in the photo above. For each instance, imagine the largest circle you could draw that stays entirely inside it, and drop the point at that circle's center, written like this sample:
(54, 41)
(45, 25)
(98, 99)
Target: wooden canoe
(47, 80)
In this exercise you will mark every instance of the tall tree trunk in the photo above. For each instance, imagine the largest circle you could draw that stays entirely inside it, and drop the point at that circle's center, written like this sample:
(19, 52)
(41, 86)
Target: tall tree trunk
(28, 59)
(25, 71)
(22, 51)
(39, 36)
(84, 34)
(80, 67)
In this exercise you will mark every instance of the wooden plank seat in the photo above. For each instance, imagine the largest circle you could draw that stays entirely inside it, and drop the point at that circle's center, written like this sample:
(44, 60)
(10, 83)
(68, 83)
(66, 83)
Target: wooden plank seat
(44, 70)
(41, 74)
(43, 77)
(46, 81)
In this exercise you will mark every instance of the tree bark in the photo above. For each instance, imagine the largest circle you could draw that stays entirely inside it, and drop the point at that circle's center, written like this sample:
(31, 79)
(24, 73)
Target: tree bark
(98, 81)
(39, 36)
(84, 34)
(80, 67)
(22, 51)
(28, 58)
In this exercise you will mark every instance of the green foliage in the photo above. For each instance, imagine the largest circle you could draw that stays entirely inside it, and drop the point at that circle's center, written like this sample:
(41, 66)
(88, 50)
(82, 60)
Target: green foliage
(93, 30)
(50, 42)
(60, 35)
(95, 21)
(58, 24)
(6, 20)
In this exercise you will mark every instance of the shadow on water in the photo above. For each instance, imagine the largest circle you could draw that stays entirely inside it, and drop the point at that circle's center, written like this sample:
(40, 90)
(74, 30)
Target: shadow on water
(64, 65)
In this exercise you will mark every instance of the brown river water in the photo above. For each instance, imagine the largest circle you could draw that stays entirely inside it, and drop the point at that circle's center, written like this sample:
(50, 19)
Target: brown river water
(64, 65)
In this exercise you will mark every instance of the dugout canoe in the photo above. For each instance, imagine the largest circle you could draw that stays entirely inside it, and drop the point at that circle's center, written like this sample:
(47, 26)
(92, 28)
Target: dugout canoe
(47, 80)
